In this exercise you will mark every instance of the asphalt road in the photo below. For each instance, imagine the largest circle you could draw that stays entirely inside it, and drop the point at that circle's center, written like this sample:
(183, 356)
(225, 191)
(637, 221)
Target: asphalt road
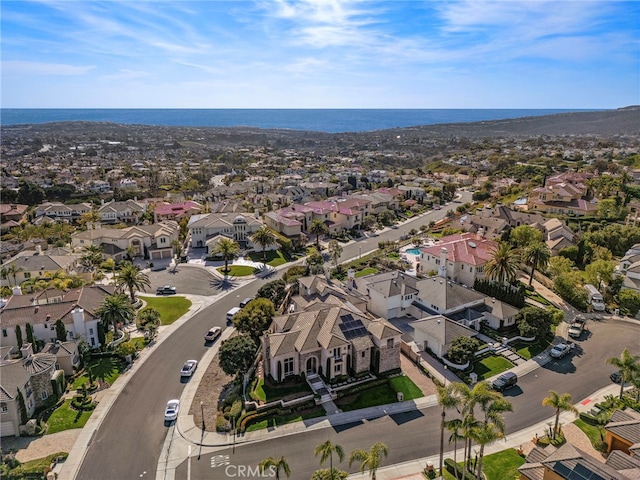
(129, 441)
(416, 434)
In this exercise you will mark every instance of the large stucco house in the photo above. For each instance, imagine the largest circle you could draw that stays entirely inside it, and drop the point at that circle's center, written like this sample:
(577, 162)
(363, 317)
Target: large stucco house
(323, 332)
(207, 229)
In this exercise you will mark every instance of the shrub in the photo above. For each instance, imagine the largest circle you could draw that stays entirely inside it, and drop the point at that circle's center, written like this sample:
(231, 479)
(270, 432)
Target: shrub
(222, 424)
(236, 409)
(454, 470)
(588, 419)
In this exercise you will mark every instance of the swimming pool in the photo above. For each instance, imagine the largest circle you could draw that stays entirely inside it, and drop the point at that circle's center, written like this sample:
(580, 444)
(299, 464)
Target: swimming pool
(413, 251)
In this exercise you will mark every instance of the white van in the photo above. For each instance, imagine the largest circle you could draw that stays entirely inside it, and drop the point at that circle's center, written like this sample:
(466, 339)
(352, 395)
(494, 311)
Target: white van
(231, 313)
(596, 300)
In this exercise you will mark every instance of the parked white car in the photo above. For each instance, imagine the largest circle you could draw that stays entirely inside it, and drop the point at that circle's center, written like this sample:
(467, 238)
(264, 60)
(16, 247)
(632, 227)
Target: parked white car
(188, 368)
(561, 349)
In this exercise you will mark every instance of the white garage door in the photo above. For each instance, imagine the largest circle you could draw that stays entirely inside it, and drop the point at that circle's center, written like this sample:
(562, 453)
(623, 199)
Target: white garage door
(156, 255)
(6, 429)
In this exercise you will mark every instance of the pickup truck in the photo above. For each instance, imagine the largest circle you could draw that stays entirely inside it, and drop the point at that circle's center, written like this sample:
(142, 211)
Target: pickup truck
(576, 328)
(561, 349)
(166, 290)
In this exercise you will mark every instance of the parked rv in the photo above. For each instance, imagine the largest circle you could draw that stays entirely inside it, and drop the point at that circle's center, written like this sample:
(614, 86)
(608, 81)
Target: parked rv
(596, 300)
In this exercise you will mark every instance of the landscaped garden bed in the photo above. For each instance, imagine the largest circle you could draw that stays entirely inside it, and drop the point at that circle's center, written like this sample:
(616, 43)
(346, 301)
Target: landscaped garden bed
(377, 392)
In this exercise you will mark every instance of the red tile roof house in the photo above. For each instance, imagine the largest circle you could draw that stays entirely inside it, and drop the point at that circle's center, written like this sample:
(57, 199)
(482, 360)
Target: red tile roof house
(176, 211)
(11, 215)
(340, 214)
(459, 257)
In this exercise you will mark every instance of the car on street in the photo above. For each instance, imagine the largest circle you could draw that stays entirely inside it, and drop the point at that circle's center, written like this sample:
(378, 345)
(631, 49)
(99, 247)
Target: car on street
(188, 368)
(166, 290)
(576, 328)
(212, 334)
(244, 302)
(616, 377)
(561, 349)
(504, 381)
(172, 409)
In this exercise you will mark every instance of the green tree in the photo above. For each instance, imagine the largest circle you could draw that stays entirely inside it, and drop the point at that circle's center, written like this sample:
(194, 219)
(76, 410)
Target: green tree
(237, 354)
(255, 318)
(335, 251)
(133, 279)
(19, 336)
(12, 271)
(274, 465)
(315, 263)
(148, 316)
(485, 434)
(369, 460)
(329, 474)
(561, 403)
(630, 301)
(463, 349)
(536, 255)
(264, 237)
(525, 235)
(608, 209)
(61, 331)
(24, 416)
(274, 291)
(455, 427)
(318, 228)
(599, 272)
(115, 309)
(503, 264)
(326, 450)
(534, 322)
(31, 338)
(227, 249)
(629, 366)
(559, 265)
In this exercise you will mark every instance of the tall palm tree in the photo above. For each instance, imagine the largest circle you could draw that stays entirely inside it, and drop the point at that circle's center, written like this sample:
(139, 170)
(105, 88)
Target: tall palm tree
(326, 450)
(317, 228)
(115, 309)
(370, 460)
(485, 434)
(629, 366)
(503, 264)
(278, 464)
(11, 270)
(447, 398)
(132, 277)
(455, 427)
(265, 237)
(537, 256)
(229, 249)
(562, 403)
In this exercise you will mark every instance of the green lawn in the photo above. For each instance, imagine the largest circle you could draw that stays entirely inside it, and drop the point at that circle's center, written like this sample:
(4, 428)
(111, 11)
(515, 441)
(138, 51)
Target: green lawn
(490, 366)
(405, 385)
(268, 392)
(170, 308)
(366, 271)
(271, 257)
(284, 419)
(372, 397)
(65, 418)
(590, 430)
(238, 270)
(501, 465)
(529, 350)
(107, 369)
(32, 468)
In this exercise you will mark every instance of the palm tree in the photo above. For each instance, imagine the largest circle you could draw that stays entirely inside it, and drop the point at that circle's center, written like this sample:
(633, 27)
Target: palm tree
(629, 366)
(177, 247)
(11, 270)
(448, 398)
(279, 464)
(562, 403)
(326, 474)
(317, 228)
(455, 427)
(115, 309)
(537, 256)
(132, 277)
(326, 450)
(227, 248)
(483, 435)
(503, 264)
(265, 237)
(370, 460)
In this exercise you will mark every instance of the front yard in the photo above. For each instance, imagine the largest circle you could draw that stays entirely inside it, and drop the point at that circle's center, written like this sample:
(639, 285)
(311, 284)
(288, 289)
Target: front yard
(491, 365)
(65, 418)
(170, 308)
(268, 392)
(273, 258)
(107, 369)
(381, 394)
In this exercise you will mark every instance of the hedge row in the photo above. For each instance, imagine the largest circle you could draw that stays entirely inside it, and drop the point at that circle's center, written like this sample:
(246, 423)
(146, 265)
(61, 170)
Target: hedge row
(454, 470)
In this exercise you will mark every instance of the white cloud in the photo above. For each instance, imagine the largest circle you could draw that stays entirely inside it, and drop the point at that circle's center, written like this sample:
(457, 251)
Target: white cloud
(42, 68)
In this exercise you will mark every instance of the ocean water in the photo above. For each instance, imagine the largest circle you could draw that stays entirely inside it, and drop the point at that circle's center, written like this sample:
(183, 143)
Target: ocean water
(319, 120)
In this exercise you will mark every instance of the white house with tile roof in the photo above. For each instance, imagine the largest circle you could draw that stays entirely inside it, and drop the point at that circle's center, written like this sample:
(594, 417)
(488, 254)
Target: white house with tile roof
(460, 258)
(330, 336)
(205, 228)
(33, 264)
(128, 211)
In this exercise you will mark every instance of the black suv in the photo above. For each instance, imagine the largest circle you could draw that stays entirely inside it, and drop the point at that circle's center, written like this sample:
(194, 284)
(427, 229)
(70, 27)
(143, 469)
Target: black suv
(504, 381)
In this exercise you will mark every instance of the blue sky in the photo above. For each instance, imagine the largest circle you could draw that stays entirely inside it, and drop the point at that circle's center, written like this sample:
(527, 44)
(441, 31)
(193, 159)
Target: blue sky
(320, 54)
